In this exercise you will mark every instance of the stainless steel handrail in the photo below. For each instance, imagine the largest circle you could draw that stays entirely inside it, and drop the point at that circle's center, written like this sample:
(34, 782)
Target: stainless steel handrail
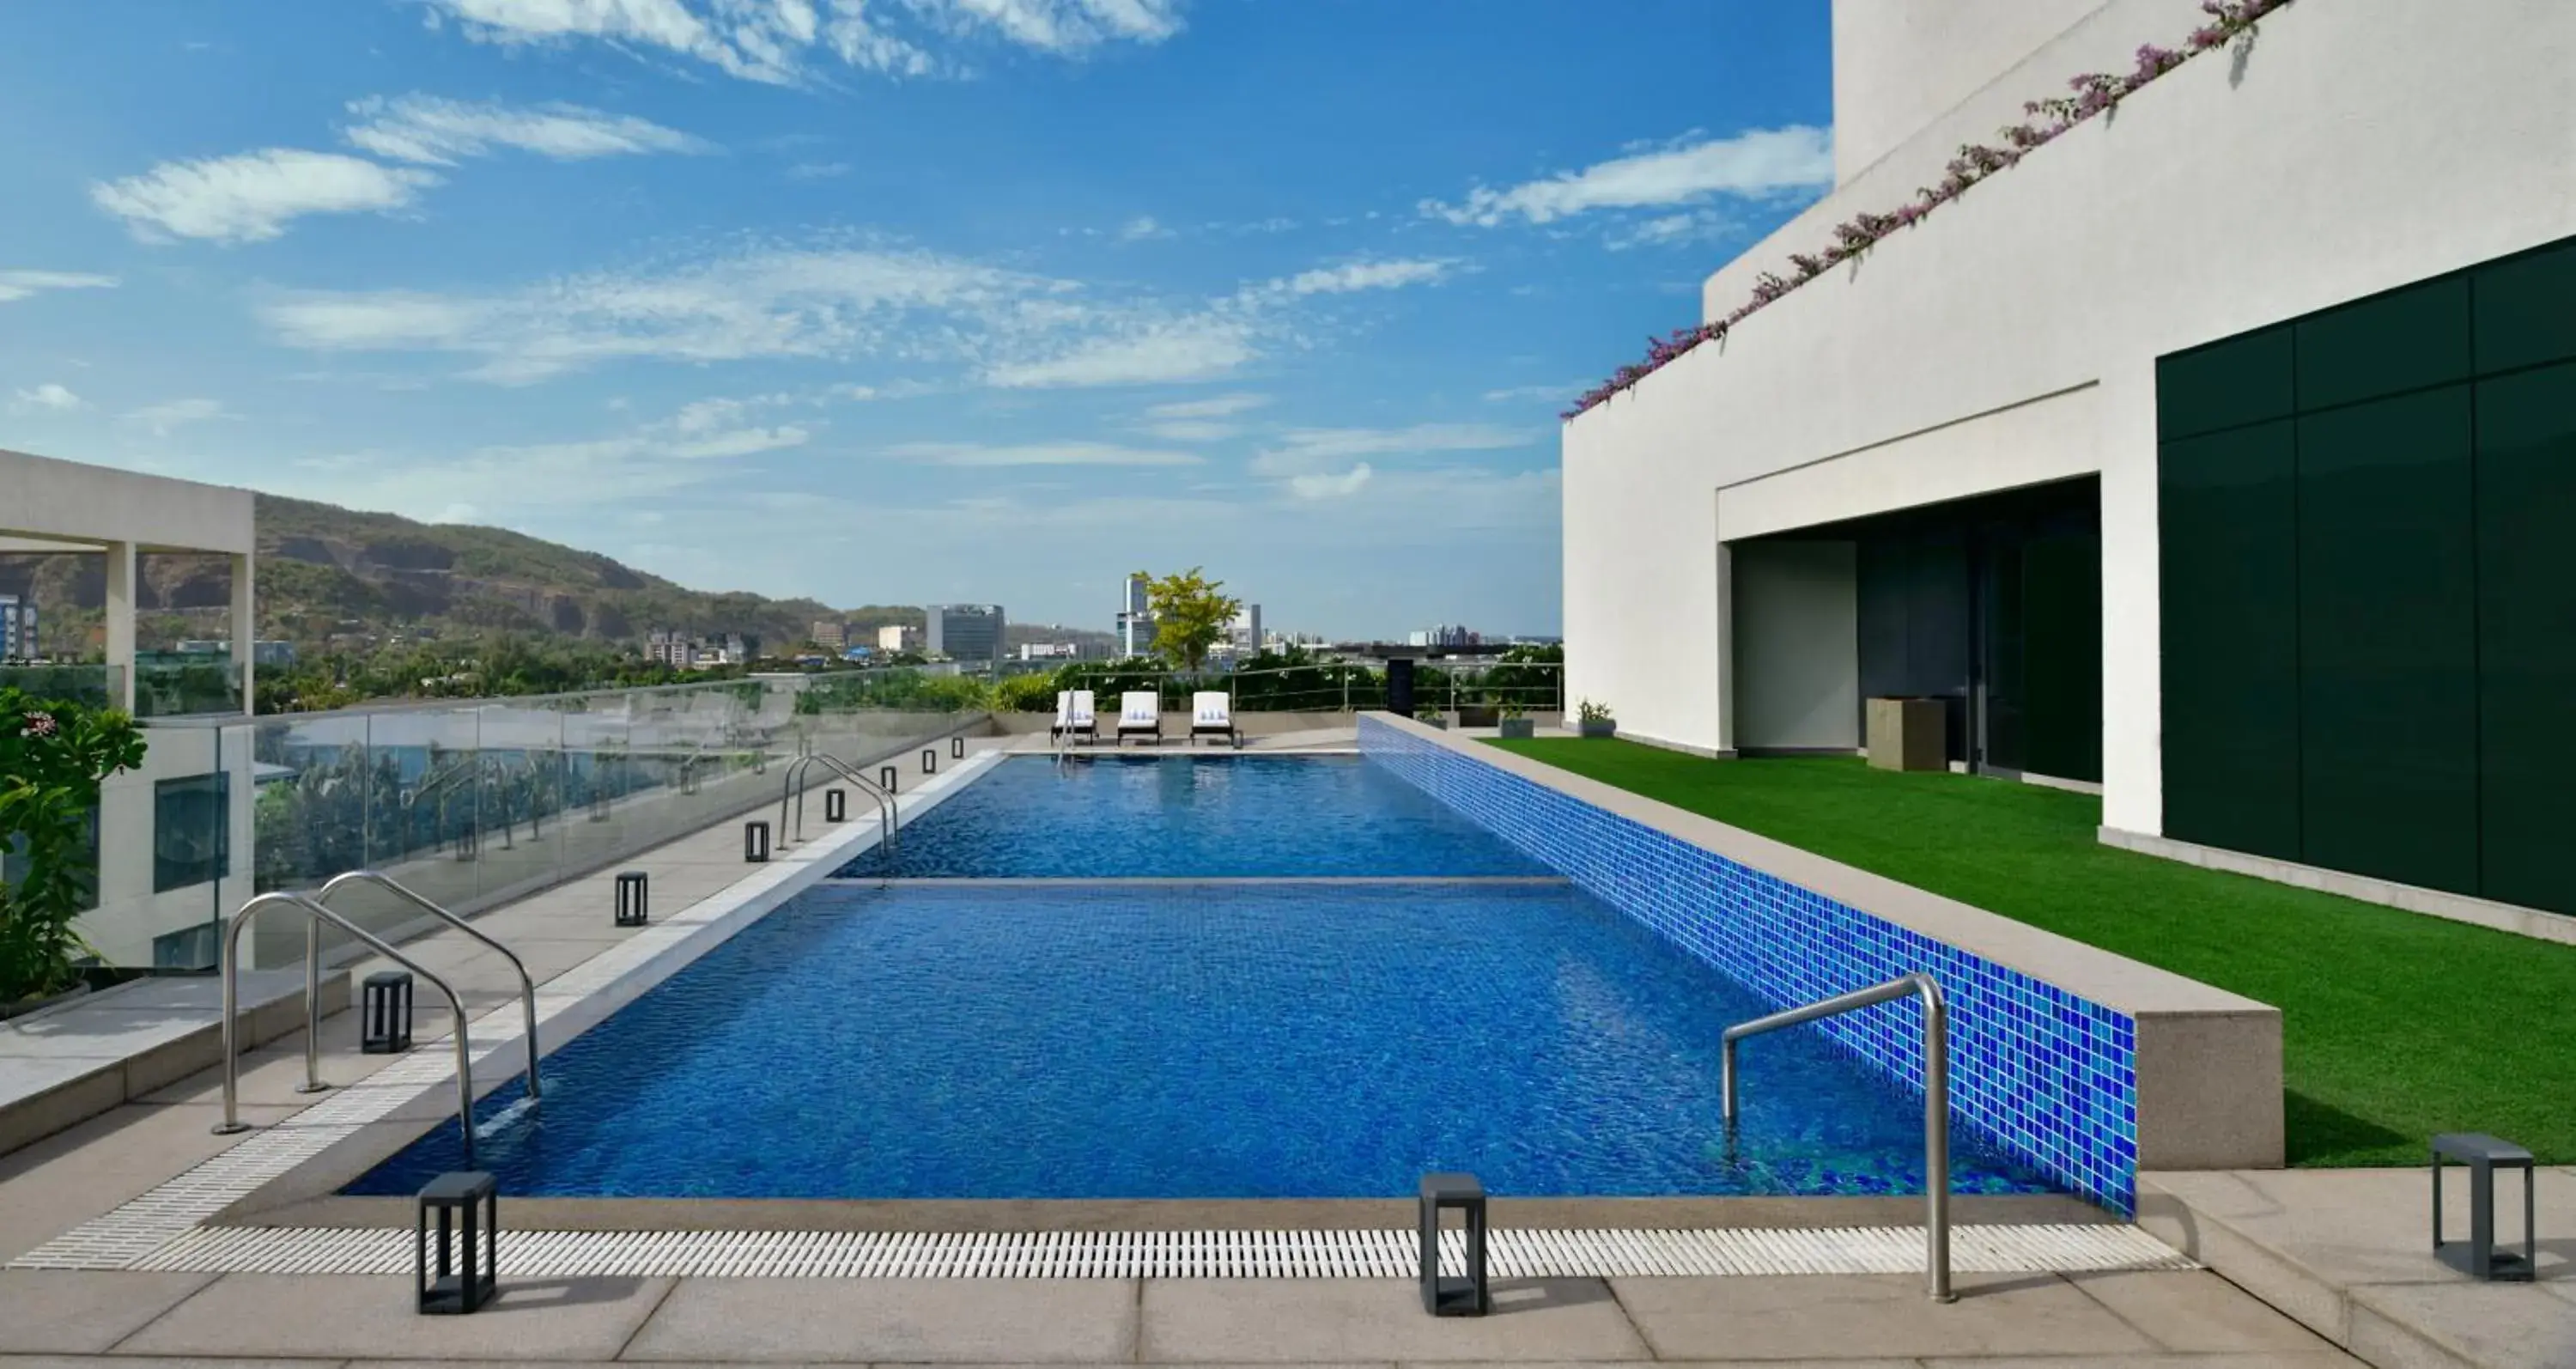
(232, 1123)
(1936, 1099)
(313, 947)
(887, 820)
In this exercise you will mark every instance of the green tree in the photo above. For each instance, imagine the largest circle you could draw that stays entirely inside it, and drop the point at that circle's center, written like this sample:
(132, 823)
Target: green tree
(1191, 613)
(52, 756)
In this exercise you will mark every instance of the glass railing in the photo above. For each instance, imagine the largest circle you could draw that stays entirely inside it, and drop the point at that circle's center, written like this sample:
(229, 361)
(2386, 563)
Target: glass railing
(95, 685)
(187, 689)
(477, 802)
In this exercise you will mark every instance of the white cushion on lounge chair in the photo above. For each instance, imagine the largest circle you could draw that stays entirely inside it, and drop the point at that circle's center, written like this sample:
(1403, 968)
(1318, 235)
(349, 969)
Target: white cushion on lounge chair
(1211, 708)
(1081, 709)
(1063, 709)
(1140, 710)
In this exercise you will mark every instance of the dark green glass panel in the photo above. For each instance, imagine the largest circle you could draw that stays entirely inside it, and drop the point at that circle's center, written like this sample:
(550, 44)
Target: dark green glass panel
(2062, 655)
(2526, 309)
(2224, 385)
(2387, 641)
(2526, 493)
(2228, 508)
(2403, 340)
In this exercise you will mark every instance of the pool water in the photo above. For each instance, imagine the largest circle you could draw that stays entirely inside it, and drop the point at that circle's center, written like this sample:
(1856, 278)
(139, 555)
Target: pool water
(1193, 1041)
(1240, 816)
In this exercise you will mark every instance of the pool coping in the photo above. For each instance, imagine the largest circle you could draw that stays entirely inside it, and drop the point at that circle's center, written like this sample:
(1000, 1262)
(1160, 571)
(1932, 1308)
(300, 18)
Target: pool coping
(2209, 1085)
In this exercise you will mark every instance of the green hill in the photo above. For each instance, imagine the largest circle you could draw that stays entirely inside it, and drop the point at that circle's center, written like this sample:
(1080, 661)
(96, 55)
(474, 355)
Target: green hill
(329, 574)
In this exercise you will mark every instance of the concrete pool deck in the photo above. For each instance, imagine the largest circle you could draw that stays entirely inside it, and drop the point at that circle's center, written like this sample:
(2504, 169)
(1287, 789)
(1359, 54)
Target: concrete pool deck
(2159, 1317)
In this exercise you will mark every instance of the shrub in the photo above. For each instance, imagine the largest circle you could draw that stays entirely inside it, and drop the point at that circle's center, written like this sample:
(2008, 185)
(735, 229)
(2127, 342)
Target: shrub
(52, 757)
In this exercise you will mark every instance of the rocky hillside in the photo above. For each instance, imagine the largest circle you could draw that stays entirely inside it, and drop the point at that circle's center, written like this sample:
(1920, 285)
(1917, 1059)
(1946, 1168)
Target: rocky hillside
(327, 572)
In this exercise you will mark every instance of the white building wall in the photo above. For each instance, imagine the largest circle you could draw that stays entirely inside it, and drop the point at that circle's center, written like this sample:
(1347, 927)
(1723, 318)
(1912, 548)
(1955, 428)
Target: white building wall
(1899, 64)
(2362, 145)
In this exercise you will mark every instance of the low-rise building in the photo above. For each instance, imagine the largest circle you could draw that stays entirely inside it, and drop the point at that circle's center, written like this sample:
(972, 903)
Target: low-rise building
(898, 637)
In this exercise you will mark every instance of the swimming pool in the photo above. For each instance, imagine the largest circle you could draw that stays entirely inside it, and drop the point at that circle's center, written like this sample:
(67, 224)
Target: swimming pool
(1184, 1040)
(1203, 817)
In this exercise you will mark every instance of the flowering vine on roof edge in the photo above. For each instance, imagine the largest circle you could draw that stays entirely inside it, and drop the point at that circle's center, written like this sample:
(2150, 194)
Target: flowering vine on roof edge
(2093, 93)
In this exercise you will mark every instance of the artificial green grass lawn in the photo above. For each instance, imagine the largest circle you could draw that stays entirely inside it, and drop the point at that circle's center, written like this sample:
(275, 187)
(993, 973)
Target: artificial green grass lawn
(2395, 1025)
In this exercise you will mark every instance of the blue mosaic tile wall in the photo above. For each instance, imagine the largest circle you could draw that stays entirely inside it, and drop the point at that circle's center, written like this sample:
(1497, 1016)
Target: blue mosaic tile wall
(2048, 1075)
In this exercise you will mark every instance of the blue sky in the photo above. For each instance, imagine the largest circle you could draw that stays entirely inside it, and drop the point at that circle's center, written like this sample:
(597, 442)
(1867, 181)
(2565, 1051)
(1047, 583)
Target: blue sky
(895, 300)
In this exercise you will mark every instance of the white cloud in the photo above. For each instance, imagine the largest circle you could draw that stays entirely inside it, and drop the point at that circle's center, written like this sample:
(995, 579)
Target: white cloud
(1176, 352)
(427, 129)
(773, 303)
(1358, 276)
(1514, 394)
(1672, 230)
(1340, 486)
(775, 40)
(1038, 454)
(1143, 228)
(1219, 406)
(47, 396)
(18, 285)
(1309, 451)
(1007, 329)
(160, 419)
(251, 197)
(1751, 164)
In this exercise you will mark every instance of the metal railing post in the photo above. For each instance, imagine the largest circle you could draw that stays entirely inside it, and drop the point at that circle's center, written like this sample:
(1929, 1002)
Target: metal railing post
(527, 982)
(1936, 1099)
(231, 970)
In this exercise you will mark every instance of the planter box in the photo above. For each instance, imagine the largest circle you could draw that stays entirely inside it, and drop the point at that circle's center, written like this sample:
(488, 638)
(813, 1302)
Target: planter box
(1909, 734)
(1478, 715)
(1605, 728)
(1520, 729)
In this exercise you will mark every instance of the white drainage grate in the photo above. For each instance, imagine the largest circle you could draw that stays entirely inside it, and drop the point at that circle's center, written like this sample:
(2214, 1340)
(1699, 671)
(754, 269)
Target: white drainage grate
(1380, 1254)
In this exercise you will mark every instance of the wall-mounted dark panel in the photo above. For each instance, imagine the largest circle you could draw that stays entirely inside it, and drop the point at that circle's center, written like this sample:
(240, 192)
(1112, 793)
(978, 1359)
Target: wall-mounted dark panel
(2526, 310)
(2403, 340)
(2062, 655)
(2526, 495)
(2387, 640)
(2228, 505)
(2224, 385)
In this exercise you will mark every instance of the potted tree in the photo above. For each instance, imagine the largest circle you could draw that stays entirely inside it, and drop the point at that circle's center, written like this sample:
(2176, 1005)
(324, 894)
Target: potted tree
(1516, 724)
(1595, 720)
(52, 756)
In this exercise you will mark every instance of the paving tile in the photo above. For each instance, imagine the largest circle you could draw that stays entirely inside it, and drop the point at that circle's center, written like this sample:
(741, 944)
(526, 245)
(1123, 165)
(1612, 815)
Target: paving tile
(2270, 1359)
(911, 1320)
(2493, 1325)
(96, 1165)
(1879, 1314)
(1707, 1364)
(155, 1362)
(2195, 1311)
(52, 1311)
(1318, 1320)
(341, 1316)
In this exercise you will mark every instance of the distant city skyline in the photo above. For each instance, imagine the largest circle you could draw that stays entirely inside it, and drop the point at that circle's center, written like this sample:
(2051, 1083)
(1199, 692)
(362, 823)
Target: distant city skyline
(950, 302)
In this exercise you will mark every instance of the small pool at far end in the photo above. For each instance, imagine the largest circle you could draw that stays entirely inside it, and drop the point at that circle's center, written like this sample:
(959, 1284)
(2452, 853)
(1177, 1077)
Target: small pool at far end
(1230, 816)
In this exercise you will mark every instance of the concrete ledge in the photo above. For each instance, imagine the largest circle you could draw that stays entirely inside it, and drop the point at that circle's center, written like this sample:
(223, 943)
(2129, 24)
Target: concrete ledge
(63, 1066)
(2479, 912)
(2347, 1253)
(2208, 1061)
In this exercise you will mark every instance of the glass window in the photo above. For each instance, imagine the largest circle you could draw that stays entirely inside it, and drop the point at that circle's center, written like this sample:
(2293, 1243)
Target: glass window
(191, 830)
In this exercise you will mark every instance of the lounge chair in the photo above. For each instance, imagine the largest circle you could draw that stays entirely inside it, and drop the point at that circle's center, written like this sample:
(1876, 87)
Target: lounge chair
(1212, 715)
(1073, 718)
(1140, 714)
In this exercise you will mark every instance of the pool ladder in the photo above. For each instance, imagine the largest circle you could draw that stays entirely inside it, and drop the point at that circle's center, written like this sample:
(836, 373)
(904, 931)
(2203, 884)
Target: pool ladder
(1936, 1100)
(889, 816)
(315, 906)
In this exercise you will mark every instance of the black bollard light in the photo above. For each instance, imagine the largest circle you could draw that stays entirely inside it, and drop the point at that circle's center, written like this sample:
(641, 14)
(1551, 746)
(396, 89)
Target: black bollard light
(2478, 1257)
(885, 778)
(930, 760)
(755, 841)
(1446, 1297)
(468, 1271)
(836, 805)
(384, 1013)
(630, 898)
(957, 747)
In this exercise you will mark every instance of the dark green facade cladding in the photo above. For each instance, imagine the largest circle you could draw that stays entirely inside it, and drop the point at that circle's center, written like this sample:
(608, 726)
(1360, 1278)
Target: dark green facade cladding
(2369, 585)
